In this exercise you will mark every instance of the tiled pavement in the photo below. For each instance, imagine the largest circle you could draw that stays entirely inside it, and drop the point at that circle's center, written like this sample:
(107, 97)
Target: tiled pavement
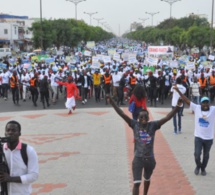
(90, 153)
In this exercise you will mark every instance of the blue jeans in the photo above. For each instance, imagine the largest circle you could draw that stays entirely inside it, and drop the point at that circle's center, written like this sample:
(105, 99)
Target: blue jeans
(205, 145)
(195, 99)
(179, 113)
(136, 112)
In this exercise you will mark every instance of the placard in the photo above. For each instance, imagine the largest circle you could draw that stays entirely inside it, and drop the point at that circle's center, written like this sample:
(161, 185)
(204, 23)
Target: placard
(87, 53)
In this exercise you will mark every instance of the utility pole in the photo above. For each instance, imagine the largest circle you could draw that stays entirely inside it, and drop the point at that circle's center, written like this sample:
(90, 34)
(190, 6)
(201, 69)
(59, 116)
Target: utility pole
(76, 2)
(170, 2)
(152, 15)
(143, 20)
(212, 28)
(41, 26)
(90, 14)
(98, 20)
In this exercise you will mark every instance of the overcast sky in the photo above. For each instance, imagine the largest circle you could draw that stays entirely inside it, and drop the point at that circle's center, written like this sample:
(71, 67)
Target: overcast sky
(115, 12)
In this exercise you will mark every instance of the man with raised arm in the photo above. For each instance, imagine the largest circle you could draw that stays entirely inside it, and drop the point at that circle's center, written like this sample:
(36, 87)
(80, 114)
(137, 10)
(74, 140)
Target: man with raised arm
(144, 134)
(204, 130)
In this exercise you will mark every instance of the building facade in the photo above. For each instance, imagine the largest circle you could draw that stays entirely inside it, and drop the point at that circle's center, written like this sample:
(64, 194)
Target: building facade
(15, 33)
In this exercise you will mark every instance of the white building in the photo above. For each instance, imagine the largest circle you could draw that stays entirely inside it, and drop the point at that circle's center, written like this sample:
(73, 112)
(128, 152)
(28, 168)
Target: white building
(15, 33)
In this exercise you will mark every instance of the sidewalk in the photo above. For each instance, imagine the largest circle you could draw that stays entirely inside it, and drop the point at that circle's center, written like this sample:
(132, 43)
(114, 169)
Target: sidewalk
(90, 153)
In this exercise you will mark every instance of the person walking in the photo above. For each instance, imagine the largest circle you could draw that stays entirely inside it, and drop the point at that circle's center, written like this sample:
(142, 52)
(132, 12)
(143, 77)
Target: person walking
(204, 131)
(97, 84)
(175, 98)
(5, 83)
(14, 85)
(139, 97)
(44, 91)
(33, 89)
(25, 84)
(144, 134)
(72, 92)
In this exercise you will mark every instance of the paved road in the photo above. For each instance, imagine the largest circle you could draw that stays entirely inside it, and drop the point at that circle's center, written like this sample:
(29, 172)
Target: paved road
(8, 106)
(91, 151)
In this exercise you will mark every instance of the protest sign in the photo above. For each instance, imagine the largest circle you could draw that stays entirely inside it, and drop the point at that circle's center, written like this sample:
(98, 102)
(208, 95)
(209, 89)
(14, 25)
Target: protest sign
(211, 57)
(95, 59)
(173, 64)
(91, 44)
(111, 52)
(152, 61)
(95, 65)
(107, 59)
(87, 53)
(190, 65)
(116, 57)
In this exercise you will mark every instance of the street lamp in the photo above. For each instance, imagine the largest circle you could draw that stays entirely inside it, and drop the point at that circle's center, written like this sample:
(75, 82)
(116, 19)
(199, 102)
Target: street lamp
(98, 20)
(90, 14)
(152, 15)
(171, 2)
(143, 20)
(212, 22)
(41, 26)
(76, 2)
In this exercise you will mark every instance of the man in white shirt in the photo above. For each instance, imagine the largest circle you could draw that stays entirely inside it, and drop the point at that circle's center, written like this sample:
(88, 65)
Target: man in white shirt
(25, 83)
(195, 90)
(115, 78)
(204, 131)
(21, 174)
(5, 83)
(175, 97)
(54, 86)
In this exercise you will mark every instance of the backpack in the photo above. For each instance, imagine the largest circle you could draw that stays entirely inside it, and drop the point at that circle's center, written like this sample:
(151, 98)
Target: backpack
(24, 154)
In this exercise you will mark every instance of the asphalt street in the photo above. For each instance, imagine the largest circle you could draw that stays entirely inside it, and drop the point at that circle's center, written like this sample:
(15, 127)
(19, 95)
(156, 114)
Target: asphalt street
(8, 106)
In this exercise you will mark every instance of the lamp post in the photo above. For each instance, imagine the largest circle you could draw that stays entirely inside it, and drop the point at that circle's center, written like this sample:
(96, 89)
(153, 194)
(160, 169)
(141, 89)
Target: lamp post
(76, 2)
(143, 20)
(98, 20)
(212, 22)
(170, 2)
(41, 26)
(90, 14)
(152, 15)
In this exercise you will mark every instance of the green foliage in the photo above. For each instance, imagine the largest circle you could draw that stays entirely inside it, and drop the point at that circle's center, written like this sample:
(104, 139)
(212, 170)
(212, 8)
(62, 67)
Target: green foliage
(66, 32)
(191, 31)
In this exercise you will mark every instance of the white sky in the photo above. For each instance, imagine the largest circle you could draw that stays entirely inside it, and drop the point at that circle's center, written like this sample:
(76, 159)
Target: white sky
(115, 12)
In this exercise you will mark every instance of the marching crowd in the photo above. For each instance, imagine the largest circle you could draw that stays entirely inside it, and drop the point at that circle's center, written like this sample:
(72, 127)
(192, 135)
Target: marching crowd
(45, 81)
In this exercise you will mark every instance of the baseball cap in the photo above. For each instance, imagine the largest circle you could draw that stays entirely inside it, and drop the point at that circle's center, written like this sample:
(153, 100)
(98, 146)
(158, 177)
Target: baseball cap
(204, 99)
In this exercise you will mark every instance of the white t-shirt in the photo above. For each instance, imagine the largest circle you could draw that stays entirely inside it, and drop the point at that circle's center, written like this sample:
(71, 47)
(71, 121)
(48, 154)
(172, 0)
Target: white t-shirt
(204, 126)
(116, 78)
(53, 79)
(175, 95)
(5, 77)
(25, 80)
(195, 89)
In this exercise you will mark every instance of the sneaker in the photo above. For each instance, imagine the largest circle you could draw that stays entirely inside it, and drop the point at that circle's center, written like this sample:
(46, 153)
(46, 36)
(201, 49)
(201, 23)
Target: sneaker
(74, 107)
(196, 171)
(85, 100)
(203, 172)
(70, 112)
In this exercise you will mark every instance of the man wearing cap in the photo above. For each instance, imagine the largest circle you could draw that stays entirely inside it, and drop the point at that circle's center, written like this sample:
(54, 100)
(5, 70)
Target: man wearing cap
(204, 130)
